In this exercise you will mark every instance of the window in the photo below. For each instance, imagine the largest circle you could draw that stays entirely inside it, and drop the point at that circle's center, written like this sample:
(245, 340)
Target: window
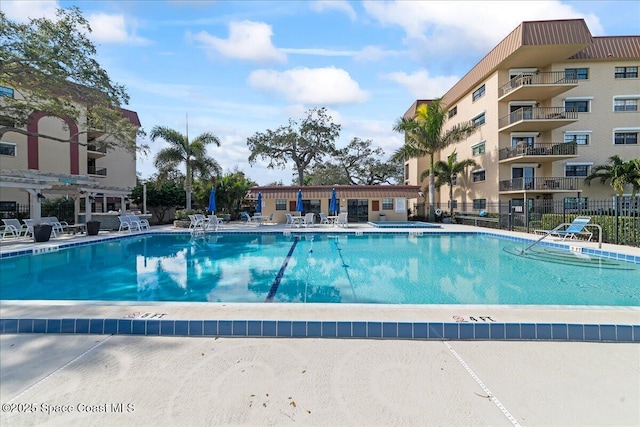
(478, 149)
(7, 149)
(626, 72)
(281, 204)
(8, 206)
(577, 169)
(406, 171)
(5, 91)
(478, 120)
(575, 202)
(387, 204)
(453, 111)
(625, 104)
(479, 203)
(576, 73)
(580, 106)
(478, 93)
(625, 138)
(578, 138)
(478, 175)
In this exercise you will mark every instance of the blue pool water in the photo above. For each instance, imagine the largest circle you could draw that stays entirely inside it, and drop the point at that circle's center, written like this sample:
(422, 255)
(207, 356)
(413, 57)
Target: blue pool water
(402, 224)
(321, 268)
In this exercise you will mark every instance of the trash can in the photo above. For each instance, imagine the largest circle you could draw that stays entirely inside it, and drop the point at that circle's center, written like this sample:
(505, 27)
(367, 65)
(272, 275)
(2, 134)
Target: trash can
(92, 228)
(42, 232)
(383, 217)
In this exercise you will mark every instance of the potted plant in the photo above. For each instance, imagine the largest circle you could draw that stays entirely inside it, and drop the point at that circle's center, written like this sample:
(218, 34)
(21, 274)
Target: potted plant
(93, 227)
(42, 232)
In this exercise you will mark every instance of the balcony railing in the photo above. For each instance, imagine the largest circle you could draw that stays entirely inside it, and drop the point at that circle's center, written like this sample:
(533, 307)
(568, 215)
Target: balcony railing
(96, 148)
(546, 79)
(538, 113)
(540, 149)
(539, 184)
(92, 170)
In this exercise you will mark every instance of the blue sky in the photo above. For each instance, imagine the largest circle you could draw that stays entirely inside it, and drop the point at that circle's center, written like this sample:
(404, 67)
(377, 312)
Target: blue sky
(240, 67)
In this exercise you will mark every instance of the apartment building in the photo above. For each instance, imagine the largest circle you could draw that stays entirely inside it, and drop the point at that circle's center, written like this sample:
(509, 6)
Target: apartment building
(34, 168)
(550, 101)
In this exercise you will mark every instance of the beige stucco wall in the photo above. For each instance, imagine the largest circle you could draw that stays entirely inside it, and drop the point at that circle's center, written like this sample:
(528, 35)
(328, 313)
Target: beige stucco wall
(601, 121)
(269, 207)
(54, 157)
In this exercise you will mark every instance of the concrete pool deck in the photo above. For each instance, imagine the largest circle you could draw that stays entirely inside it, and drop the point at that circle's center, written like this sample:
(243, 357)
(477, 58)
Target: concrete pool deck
(315, 381)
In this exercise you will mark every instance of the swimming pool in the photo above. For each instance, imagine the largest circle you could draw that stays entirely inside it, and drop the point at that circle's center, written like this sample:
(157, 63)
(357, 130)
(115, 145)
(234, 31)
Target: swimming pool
(402, 224)
(407, 268)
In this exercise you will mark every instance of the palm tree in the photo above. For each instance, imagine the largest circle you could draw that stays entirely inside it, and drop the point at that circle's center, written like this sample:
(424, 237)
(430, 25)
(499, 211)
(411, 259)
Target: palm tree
(424, 135)
(620, 173)
(447, 173)
(193, 154)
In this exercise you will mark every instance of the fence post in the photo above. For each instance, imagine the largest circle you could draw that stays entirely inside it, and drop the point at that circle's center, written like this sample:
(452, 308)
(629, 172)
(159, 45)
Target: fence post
(616, 222)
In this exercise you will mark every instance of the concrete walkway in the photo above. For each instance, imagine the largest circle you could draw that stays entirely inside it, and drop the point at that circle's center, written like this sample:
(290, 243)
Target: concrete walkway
(158, 381)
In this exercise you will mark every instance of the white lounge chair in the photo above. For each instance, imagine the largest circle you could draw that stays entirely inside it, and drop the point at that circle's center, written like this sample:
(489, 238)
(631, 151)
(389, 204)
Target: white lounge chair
(289, 218)
(342, 220)
(142, 223)
(125, 224)
(58, 226)
(12, 226)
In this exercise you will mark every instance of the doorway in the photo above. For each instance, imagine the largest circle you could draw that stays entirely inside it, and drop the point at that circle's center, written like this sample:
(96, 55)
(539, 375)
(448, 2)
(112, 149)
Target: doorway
(358, 210)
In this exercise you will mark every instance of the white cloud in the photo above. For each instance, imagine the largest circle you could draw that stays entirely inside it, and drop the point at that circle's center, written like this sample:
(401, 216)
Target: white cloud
(247, 40)
(107, 28)
(316, 86)
(480, 25)
(21, 11)
(421, 85)
(375, 53)
(341, 6)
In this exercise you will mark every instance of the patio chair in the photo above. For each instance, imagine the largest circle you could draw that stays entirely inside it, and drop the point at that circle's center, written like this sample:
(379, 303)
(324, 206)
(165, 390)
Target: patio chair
(324, 219)
(58, 226)
(213, 222)
(125, 224)
(193, 223)
(289, 218)
(12, 226)
(142, 223)
(342, 220)
(574, 229)
(309, 220)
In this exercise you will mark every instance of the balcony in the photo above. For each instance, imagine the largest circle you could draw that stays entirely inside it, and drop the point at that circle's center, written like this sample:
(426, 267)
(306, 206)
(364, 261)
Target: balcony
(538, 86)
(93, 170)
(539, 152)
(94, 151)
(537, 119)
(539, 185)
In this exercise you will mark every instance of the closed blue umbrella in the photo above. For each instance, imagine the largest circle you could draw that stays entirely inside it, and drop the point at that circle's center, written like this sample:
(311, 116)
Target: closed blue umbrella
(212, 200)
(259, 207)
(299, 203)
(333, 203)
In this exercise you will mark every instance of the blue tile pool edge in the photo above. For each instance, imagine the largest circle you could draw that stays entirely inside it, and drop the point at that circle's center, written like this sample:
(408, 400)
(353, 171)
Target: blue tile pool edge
(326, 329)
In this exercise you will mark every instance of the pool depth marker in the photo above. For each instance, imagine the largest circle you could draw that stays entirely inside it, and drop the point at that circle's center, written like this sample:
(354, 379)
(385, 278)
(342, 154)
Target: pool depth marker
(276, 281)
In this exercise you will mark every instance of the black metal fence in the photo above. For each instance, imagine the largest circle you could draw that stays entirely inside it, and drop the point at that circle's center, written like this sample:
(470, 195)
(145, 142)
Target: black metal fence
(64, 211)
(619, 217)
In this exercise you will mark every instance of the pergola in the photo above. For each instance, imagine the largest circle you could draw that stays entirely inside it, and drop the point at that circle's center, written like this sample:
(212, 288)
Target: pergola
(75, 186)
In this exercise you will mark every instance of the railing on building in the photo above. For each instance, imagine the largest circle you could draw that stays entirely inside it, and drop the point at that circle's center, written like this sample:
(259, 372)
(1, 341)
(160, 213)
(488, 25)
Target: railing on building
(539, 184)
(538, 113)
(540, 149)
(96, 148)
(92, 170)
(545, 78)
